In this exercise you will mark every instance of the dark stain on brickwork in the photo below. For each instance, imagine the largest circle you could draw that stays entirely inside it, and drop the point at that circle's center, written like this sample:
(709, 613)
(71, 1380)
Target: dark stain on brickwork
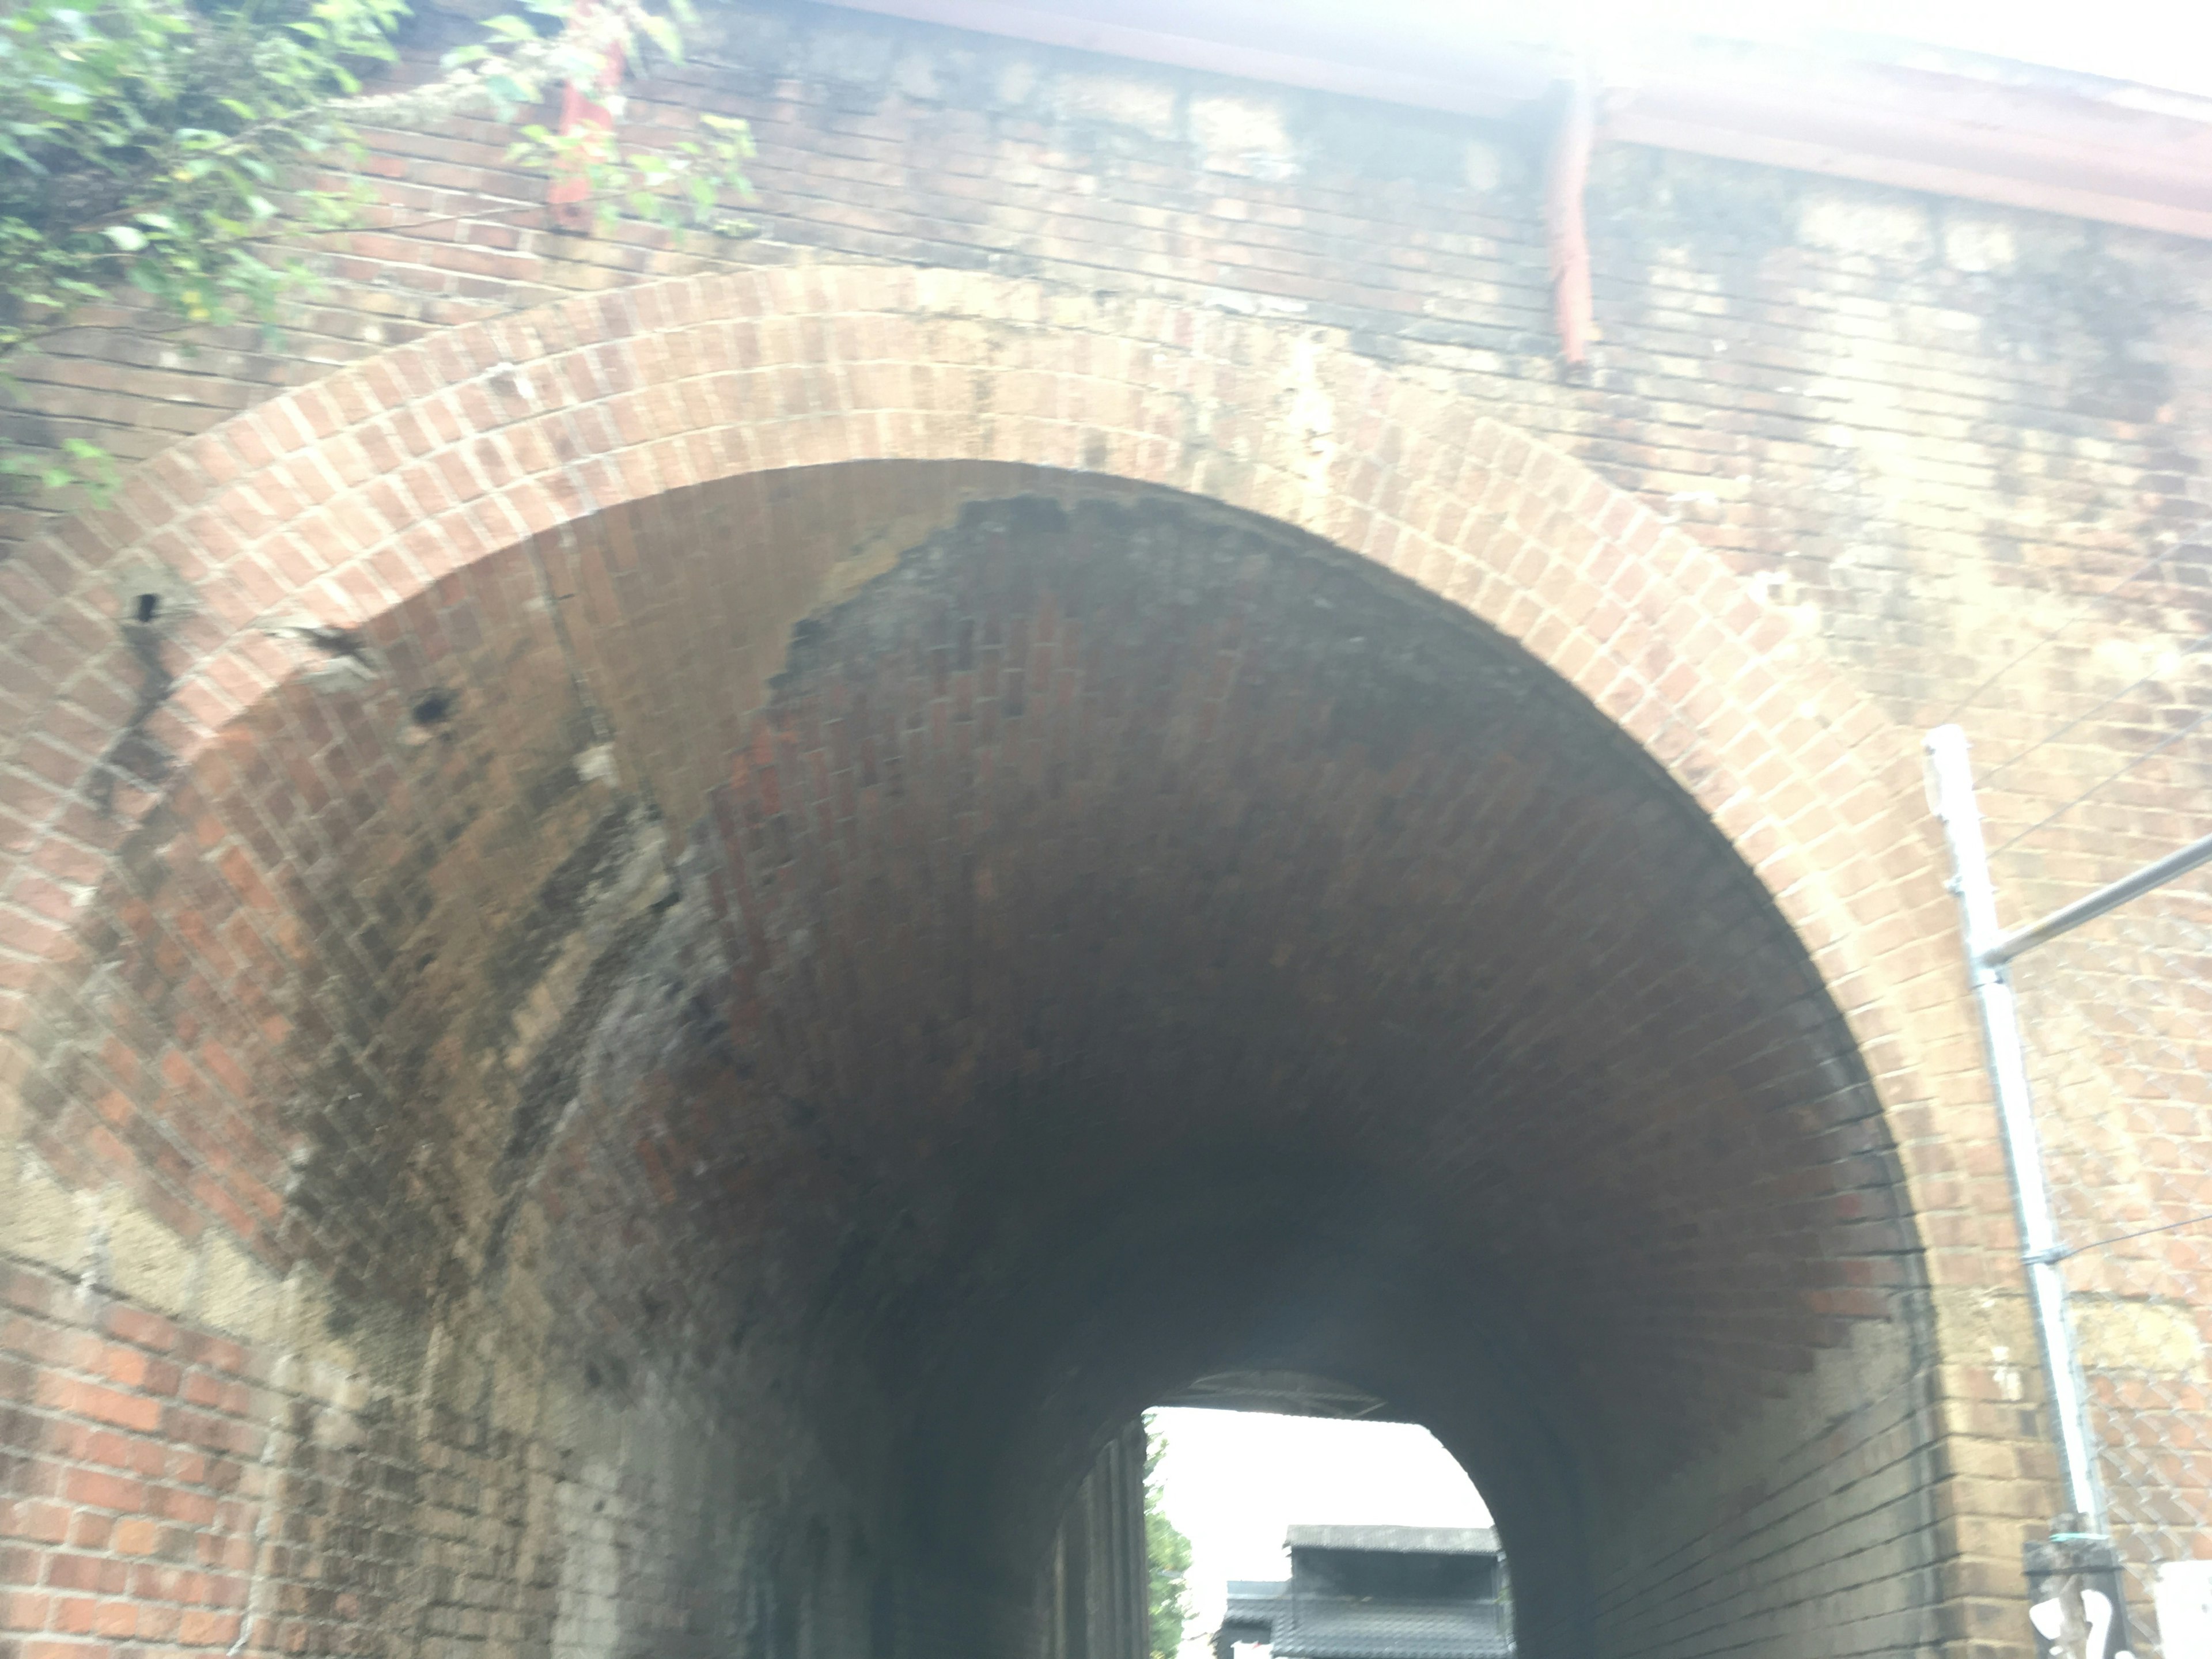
(137, 756)
(555, 1073)
(433, 708)
(385, 1107)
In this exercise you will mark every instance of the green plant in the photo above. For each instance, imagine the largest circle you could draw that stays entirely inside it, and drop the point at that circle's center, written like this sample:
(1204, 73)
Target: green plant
(1167, 1554)
(191, 150)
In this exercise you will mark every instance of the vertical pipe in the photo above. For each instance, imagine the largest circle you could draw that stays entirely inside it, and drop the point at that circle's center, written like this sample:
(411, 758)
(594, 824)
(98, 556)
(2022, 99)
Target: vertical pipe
(2040, 1246)
(1567, 181)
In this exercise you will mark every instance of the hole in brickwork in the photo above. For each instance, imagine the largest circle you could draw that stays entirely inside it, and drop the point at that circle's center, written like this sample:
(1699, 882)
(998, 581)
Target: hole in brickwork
(147, 607)
(432, 709)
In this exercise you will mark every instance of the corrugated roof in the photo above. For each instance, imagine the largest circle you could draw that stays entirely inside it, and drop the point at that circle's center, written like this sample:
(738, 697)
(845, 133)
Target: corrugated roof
(1403, 1541)
(1253, 1603)
(1258, 1589)
(1316, 1627)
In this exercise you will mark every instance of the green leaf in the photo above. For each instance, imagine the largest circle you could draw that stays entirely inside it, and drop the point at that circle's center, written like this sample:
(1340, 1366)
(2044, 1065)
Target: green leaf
(194, 131)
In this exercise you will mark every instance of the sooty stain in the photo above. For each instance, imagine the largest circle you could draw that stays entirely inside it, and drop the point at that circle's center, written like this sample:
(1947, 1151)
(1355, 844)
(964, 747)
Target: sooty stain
(136, 756)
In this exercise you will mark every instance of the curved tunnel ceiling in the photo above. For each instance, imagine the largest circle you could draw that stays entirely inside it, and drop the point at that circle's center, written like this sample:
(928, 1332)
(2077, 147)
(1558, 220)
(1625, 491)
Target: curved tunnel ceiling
(959, 952)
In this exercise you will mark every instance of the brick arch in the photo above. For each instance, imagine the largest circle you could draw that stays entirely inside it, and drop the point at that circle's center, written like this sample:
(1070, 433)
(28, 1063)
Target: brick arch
(337, 505)
(342, 500)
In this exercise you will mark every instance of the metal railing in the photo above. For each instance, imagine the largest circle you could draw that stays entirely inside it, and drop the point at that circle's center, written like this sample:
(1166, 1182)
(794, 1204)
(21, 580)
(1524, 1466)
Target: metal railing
(2098, 1024)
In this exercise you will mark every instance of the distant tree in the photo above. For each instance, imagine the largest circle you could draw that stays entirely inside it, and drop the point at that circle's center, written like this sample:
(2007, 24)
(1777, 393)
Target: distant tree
(1167, 1552)
(184, 148)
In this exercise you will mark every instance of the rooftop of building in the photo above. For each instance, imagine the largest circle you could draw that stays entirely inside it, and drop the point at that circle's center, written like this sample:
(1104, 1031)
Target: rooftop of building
(1422, 1610)
(1428, 1540)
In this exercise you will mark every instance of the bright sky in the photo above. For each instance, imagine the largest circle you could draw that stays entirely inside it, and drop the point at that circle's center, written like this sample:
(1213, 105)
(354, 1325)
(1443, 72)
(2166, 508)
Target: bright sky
(1233, 1481)
(2159, 43)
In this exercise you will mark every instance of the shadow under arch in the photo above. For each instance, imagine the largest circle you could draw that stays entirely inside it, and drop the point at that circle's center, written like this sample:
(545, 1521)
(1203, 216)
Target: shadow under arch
(1334, 1310)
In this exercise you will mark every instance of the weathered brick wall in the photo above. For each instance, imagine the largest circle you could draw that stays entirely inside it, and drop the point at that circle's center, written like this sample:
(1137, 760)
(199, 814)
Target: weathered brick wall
(383, 955)
(190, 1485)
(279, 1136)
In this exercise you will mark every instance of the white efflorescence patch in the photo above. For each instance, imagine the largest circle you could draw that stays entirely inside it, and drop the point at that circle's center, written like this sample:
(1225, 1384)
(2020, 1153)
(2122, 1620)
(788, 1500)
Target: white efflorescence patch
(2182, 1593)
(594, 1518)
(597, 765)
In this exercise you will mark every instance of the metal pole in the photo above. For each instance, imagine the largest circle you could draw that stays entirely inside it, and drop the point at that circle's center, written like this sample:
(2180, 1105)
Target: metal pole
(2040, 1249)
(2105, 898)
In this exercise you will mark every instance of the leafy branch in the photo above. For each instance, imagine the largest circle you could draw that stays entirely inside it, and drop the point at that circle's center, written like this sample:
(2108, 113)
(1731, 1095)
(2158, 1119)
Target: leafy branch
(185, 149)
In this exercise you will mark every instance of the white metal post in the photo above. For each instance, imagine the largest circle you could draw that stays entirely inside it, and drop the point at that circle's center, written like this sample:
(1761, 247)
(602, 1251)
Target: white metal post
(2040, 1246)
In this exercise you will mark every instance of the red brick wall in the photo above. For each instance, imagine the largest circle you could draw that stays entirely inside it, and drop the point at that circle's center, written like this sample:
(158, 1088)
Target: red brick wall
(1908, 438)
(134, 1466)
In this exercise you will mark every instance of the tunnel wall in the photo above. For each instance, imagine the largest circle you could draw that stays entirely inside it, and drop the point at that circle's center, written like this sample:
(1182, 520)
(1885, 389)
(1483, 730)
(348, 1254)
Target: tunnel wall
(1096, 1593)
(197, 1465)
(486, 775)
(264, 1405)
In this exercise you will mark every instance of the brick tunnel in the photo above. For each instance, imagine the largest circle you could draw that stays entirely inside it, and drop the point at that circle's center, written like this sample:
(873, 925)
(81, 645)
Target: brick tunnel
(709, 1061)
(678, 917)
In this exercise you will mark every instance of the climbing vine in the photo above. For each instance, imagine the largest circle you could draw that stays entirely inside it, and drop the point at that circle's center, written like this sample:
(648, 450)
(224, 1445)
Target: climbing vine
(1167, 1556)
(192, 152)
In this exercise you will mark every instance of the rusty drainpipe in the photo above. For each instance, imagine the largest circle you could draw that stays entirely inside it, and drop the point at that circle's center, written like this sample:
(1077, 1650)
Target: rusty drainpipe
(582, 107)
(1567, 179)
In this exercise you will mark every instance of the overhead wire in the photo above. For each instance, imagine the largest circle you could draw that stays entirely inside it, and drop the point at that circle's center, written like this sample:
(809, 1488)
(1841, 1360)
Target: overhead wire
(2199, 643)
(1968, 701)
(2195, 646)
(2099, 709)
(2140, 1232)
(2165, 742)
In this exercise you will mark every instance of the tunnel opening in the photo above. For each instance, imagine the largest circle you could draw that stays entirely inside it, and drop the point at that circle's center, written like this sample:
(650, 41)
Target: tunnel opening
(1296, 1515)
(890, 970)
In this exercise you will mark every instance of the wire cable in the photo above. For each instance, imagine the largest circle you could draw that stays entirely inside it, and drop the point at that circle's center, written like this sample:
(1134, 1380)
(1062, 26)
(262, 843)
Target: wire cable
(2141, 1232)
(1967, 701)
(2189, 650)
(2166, 742)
